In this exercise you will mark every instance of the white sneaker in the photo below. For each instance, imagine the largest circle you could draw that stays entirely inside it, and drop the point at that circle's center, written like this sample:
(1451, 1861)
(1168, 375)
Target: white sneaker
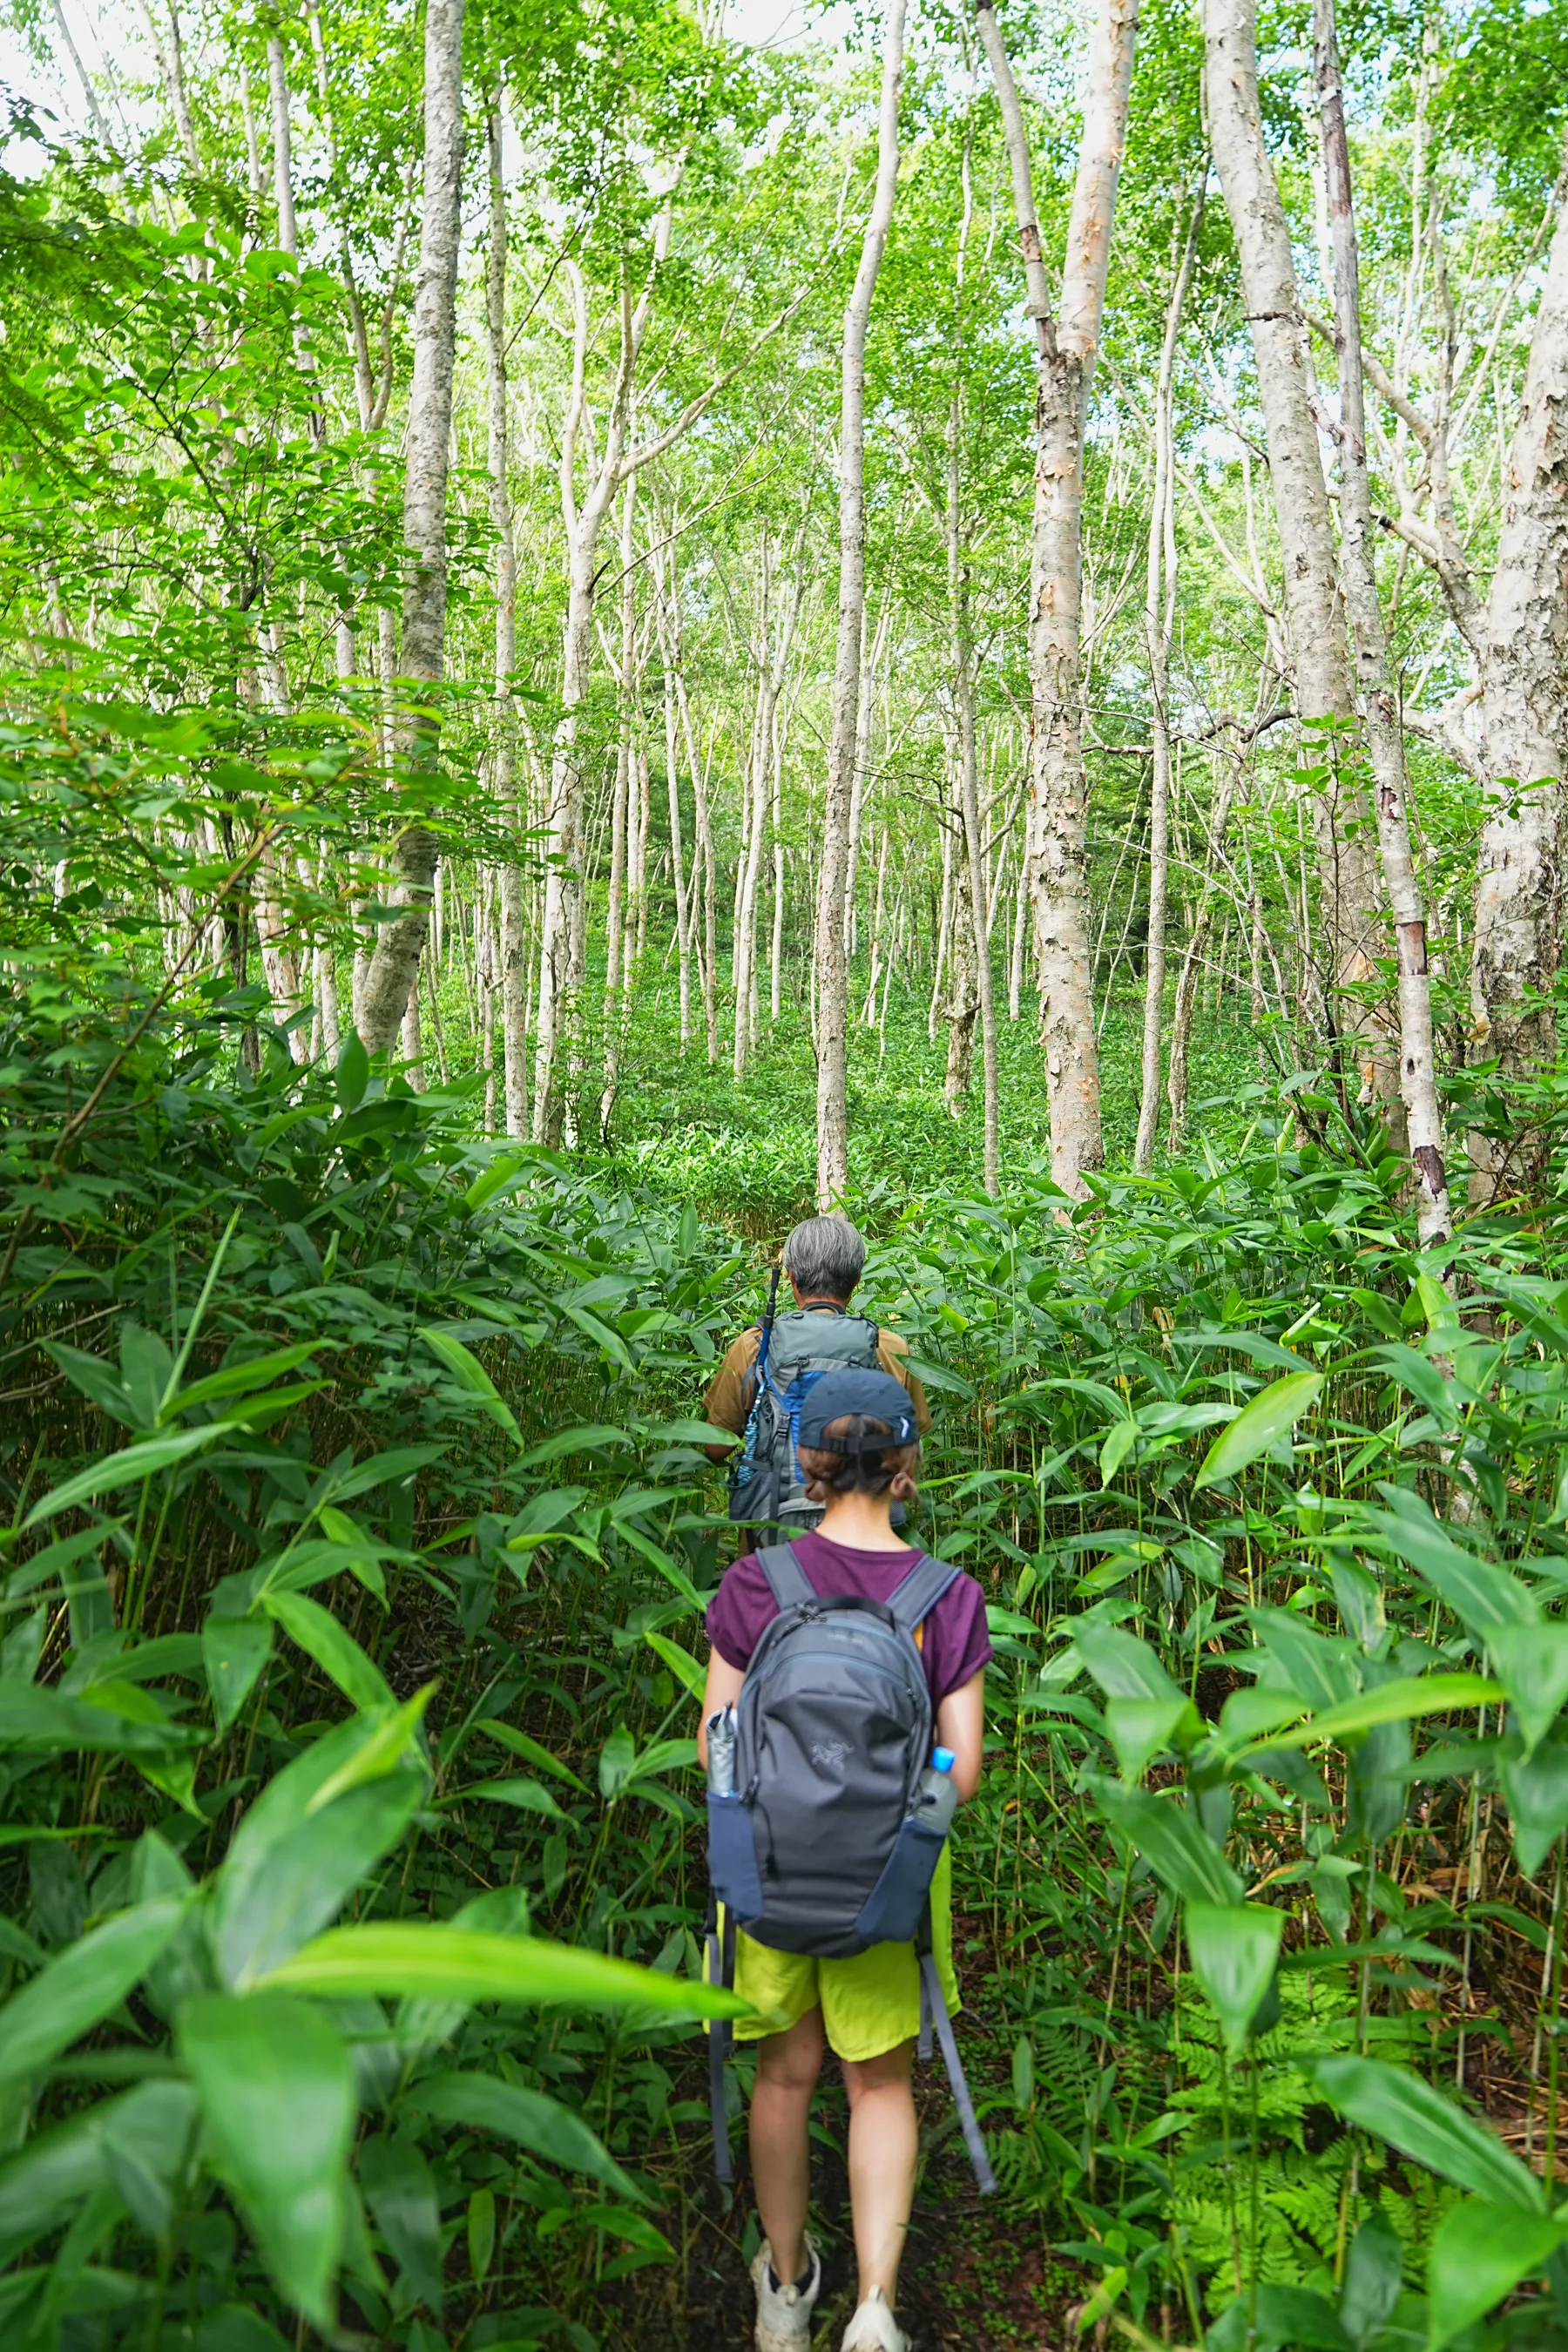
(783, 2312)
(874, 2328)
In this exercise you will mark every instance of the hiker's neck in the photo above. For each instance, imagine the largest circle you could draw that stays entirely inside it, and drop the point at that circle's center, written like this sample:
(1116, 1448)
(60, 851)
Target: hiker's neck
(862, 1521)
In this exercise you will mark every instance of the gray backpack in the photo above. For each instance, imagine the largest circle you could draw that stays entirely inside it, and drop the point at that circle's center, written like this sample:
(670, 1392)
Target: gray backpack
(794, 1350)
(820, 1848)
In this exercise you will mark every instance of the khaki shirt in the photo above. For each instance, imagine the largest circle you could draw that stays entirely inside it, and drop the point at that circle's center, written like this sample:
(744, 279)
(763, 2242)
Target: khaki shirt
(730, 1392)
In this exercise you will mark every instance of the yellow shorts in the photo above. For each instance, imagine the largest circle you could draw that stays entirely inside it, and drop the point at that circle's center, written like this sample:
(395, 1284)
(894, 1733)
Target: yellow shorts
(868, 2004)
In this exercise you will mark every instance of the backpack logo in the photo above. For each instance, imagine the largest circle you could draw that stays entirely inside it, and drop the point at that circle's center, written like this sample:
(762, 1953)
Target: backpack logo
(831, 1755)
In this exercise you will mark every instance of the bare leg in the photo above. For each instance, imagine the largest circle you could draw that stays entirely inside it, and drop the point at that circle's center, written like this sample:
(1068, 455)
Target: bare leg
(787, 2067)
(883, 2143)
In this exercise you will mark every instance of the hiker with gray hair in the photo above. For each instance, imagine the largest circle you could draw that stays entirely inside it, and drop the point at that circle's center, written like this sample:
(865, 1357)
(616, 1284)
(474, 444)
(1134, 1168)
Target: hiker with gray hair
(769, 1371)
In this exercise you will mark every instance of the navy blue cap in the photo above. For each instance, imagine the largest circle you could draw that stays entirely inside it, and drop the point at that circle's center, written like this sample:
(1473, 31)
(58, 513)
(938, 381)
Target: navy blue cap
(876, 1394)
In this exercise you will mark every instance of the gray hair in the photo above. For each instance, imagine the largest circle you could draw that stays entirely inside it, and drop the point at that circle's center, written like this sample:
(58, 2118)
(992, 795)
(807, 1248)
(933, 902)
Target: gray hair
(825, 1258)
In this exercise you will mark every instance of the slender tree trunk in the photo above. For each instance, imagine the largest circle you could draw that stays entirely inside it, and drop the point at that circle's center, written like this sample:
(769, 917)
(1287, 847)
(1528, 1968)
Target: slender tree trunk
(512, 955)
(1159, 622)
(389, 983)
(833, 1010)
(615, 974)
(1524, 676)
(979, 999)
(1314, 621)
(1417, 1075)
(667, 641)
(1066, 348)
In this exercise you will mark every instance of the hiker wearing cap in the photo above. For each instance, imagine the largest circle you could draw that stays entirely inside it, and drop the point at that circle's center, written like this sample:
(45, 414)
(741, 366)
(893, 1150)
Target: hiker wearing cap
(768, 1371)
(794, 1787)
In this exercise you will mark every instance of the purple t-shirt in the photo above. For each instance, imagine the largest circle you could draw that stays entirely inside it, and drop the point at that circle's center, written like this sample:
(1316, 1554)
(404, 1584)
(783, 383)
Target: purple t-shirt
(954, 1646)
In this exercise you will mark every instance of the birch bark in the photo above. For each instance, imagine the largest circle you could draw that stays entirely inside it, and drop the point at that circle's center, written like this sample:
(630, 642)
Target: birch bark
(1067, 346)
(512, 955)
(1314, 620)
(833, 978)
(1159, 622)
(1417, 1075)
(389, 982)
(1524, 671)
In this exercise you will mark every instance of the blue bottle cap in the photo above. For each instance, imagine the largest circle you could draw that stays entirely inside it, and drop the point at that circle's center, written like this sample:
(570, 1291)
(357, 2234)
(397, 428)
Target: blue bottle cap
(943, 1759)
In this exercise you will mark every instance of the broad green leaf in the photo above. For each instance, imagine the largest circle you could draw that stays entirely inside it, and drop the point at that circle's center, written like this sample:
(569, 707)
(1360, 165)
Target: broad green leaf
(1123, 1666)
(1420, 2123)
(278, 2100)
(687, 1432)
(239, 1379)
(268, 1901)
(540, 2124)
(1272, 1413)
(1481, 1594)
(386, 1469)
(45, 2180)
(353, 1074)
(613, 1346)
(471, 1376)
(334, 1649)
(1188, 1861)
(1425, 1382)
(525, 1796)
(77, 1990)
(1234, 1947)
(1374, 2273)
(1119, 1444)
(400, 2190)
(1141, 1727)
(1297, 2316)
(681, 1664)
(481, 2233)
(618, 1762)
(394, 1959)
(123, 1469)
(1531, 1662)
(530, 1750)
(390, 1745)
(587, 1438)
(1537, 1791)
(668, 1567)
(1480, 2253)
(32, 1716)
(1395, 1702)
(235, 1650)
(96, 1381)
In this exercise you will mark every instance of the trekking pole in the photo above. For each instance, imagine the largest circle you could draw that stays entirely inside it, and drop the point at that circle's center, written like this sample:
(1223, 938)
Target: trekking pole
(763, 1343)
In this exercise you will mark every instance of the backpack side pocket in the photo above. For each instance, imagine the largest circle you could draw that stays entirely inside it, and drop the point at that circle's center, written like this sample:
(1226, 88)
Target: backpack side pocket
(893, 1910)
(732, 1856)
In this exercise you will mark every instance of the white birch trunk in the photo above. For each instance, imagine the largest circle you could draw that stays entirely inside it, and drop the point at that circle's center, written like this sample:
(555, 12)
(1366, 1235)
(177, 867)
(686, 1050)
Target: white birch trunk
(390, 981)
(1417, 1075)
(1159, 622)
(1066, 350)
(1525, 676)
(1314, 621)
(833, 986)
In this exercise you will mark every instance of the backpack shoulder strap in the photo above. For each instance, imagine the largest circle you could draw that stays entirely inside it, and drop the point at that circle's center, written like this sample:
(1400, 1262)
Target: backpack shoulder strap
(788, 1581)
(913, 1600)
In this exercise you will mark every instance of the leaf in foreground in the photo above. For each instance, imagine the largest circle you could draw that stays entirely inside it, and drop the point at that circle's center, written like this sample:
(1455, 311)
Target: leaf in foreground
(1420, 2123)
(278, 2095)
(1480, 2253)
(79, 1989)
(399, 1958)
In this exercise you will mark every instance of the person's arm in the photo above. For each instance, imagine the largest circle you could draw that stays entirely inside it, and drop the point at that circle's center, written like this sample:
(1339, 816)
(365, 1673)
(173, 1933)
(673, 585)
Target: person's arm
(960, 1726)
(727, 1403)
(723, 1689)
